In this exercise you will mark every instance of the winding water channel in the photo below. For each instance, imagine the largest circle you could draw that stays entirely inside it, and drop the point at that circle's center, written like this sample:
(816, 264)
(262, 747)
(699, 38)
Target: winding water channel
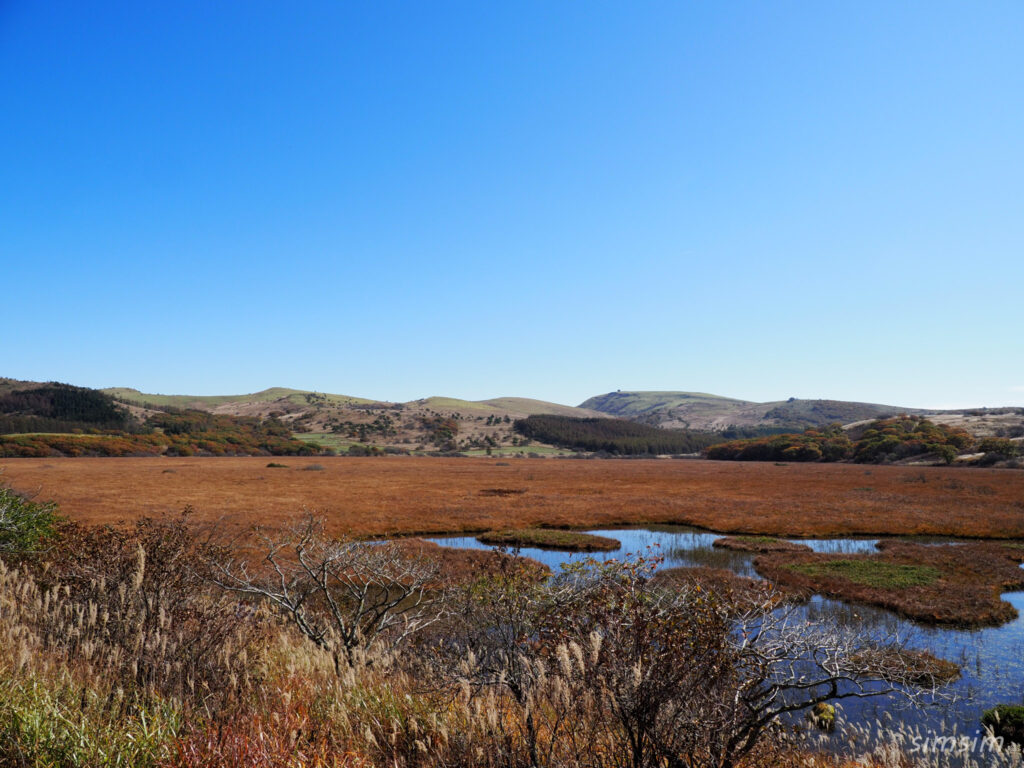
(991, 659)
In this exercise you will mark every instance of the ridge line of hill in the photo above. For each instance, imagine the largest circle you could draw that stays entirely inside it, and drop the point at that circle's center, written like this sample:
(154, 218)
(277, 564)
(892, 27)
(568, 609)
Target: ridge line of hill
(341, 417)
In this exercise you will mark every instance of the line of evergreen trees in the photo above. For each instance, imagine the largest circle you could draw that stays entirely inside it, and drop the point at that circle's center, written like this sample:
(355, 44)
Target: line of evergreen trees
(617, 436)
(59, 407)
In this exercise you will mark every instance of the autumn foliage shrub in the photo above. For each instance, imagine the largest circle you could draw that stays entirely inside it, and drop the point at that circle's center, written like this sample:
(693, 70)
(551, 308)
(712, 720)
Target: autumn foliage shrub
(996, 449)
(171, 433)
(905, 436)
(817, 444)
(882, 441)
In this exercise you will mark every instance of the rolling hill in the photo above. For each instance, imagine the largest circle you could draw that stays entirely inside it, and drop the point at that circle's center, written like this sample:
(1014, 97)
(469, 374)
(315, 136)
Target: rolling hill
(212, 402)
(700, 411)
(343, 421)
(348, 423)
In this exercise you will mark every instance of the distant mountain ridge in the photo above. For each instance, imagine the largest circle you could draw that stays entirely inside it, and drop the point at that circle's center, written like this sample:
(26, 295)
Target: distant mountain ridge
(338, 419)
(346, 424)
(713, 413)
(310, 412)
(515, 407)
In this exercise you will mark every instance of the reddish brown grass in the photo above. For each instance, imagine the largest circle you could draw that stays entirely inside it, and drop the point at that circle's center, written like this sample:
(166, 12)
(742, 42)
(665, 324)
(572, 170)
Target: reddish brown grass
(550, 538)
(459, 566)
(968, 579)
(742, 592)
(758, 544)
(428, 495)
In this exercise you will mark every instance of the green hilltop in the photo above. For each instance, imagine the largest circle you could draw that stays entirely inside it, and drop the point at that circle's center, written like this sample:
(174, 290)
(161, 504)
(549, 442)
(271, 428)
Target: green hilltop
(297, 396)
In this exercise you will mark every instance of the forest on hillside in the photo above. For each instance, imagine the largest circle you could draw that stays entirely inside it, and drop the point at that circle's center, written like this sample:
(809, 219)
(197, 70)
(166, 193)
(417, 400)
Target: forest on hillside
(616, 436)
(59, 407)
(63, 420)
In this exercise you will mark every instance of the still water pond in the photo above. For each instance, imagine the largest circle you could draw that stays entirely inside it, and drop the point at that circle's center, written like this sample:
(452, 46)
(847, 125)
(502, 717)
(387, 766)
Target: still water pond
(992, 659)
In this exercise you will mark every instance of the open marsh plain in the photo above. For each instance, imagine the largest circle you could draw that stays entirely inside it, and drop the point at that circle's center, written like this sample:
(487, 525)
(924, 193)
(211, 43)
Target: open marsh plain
(404, 495)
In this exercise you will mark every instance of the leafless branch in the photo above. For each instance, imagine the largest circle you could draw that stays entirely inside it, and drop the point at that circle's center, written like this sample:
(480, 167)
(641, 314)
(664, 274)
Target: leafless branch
(344, 595)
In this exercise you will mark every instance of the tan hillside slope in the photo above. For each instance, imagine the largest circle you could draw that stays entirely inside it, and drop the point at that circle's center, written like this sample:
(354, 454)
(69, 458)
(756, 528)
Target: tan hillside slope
(342, 421)
(705, 412)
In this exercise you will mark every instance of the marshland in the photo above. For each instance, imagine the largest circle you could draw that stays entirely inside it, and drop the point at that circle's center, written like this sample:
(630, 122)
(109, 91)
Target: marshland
(194, 638)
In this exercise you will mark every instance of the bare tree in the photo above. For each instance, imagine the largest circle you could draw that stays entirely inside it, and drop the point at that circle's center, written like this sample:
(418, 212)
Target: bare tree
(344, 595)
(601, 667)
(787, 663)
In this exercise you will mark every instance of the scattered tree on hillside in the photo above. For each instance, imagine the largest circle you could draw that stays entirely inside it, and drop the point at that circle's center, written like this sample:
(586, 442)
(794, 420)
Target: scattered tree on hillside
(885, 440)
(898, 438)
(442, 430)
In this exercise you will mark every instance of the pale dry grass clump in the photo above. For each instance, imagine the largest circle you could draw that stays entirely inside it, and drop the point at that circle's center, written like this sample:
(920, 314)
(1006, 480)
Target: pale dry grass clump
(110, 644)
(116, 650)
(889, 743)
(59, 703)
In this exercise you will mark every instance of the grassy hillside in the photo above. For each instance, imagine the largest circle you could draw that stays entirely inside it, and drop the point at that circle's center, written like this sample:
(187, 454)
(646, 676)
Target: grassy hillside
(208, 402)
(701, 411)
(516, 407)
(450, 424)
(830, 411)
(353, 423)
(634, 405)
(512, 406)
(42, 420)
(13, 385)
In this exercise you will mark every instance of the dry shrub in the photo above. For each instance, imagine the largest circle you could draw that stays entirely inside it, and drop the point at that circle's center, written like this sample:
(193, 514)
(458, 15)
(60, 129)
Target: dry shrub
(133, 604)
(117, 646)
(606, 667)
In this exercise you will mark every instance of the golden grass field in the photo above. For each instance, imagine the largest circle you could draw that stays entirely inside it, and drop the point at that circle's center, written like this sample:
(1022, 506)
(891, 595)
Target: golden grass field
(404, 495)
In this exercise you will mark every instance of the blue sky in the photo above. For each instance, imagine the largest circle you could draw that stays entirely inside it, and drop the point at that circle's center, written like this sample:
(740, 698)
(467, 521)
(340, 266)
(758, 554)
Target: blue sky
(551, 200)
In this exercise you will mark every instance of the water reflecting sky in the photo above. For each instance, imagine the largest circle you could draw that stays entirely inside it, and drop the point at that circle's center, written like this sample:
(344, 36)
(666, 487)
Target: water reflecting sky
(992, 659)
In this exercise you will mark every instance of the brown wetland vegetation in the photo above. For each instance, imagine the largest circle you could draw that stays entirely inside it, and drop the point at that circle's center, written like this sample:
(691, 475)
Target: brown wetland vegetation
(402, 496)
(550, 538)
(758, 544)
(951, 584)
(153, 643)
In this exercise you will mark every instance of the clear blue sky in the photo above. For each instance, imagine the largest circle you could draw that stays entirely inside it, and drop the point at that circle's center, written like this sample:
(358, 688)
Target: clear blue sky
(554, 200)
